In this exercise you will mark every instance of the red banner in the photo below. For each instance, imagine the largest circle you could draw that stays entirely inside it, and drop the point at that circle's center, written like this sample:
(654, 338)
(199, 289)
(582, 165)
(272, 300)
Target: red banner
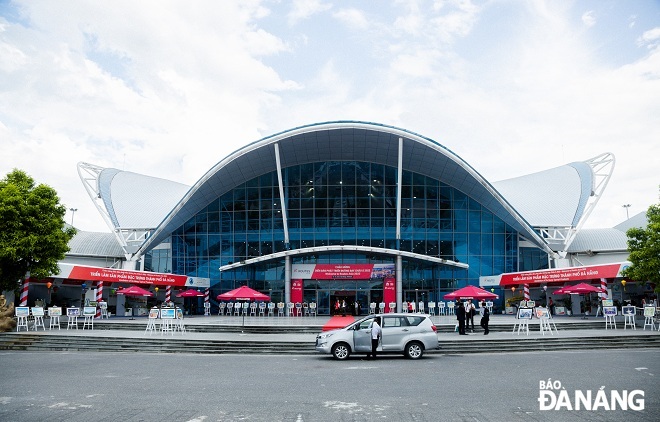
(111, 275)
(342, 271)
(563, 275)
(296, 291)
(389, 291)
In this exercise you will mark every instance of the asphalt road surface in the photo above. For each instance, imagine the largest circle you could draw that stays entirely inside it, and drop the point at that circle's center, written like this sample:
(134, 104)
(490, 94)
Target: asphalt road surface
(40, 386)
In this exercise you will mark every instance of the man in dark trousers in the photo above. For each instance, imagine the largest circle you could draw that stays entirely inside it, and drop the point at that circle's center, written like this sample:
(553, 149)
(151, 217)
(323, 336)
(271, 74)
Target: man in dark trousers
(485, 317)
(376, 332)
(460, 316)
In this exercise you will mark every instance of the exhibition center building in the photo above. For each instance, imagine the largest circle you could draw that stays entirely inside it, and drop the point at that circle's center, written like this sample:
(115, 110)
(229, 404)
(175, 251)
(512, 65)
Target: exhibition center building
(347, 210)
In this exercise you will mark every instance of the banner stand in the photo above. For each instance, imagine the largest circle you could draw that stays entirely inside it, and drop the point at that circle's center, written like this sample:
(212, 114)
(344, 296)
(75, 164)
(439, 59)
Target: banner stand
(609, 321)
(38, 315)
(649, 317)
(54, 314)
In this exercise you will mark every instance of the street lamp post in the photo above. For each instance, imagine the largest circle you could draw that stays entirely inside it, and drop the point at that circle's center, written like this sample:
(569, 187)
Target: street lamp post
(626, 206)
(73, 212)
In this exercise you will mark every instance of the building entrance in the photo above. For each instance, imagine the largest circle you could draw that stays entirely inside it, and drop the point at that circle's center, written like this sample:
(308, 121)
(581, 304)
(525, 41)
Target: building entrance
(342, 303)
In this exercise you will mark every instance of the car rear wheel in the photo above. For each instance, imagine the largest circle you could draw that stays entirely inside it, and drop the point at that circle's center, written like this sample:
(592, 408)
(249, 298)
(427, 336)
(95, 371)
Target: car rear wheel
(341, 351)
(414, 350)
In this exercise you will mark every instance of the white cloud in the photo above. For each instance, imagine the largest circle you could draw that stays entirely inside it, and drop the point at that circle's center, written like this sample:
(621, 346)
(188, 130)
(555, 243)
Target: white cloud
(303, 9)
(589, 19)
(352, 17)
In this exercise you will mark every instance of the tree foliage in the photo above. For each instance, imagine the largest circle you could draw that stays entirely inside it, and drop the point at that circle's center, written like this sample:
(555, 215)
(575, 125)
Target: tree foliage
(33, 234)
(644, 248)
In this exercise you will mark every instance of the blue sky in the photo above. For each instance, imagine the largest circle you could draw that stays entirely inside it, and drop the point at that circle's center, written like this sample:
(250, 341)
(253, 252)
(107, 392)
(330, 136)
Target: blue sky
(169, 88)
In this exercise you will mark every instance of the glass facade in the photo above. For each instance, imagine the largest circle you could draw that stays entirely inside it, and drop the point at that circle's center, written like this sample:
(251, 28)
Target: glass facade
(342, 203)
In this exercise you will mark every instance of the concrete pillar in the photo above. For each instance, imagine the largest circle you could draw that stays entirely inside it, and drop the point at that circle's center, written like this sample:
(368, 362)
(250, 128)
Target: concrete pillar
(287, 281)
(399, 282)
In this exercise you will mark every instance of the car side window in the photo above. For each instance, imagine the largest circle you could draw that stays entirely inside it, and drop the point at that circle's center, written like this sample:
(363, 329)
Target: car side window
(391, 322)
(364, 324)
(414, 320)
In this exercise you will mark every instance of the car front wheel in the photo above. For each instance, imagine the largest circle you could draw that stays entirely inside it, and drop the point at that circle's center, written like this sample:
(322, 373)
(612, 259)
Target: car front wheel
(414, 350)
(341, 351)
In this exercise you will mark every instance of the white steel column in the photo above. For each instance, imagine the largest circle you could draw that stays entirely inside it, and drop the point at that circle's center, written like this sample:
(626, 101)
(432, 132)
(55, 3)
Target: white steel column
(287, 282)
(282, 202)
(398, 194)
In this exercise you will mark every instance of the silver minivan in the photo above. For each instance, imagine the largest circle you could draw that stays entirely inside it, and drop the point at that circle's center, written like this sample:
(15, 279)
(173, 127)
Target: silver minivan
(409, 334)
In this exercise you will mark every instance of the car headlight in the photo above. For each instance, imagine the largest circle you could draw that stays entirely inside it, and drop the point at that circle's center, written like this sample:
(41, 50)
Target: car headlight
(325, 336)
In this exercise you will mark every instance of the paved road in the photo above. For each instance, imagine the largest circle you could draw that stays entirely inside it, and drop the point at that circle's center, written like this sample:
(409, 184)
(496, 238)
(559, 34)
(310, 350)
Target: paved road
(37, 386)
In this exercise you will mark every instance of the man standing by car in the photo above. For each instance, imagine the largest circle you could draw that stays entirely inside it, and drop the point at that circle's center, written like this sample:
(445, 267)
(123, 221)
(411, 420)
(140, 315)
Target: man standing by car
(376, 332)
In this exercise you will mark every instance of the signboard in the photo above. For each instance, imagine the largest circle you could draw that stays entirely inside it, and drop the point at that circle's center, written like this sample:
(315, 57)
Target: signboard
(608, 302)
(103, 305)
(609, 310)
(531, 304)
(341, 271)
(563, 274)
(168, 313)
(560, 310)
(296, 291)
(38, 311)
(89, 310)
(22, 311)
(649, 311)
(89, 274)
(628, 310)
(56, 311)
(525, 313)
(153, 313)
(389, 289)
(73, 311)
(542, 313)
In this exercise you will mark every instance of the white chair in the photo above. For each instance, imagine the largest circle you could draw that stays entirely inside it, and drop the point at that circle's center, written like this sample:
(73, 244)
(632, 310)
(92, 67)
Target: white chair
(289, 308)
(404, 307)
(221, 308)
(431, 308)
(381, 307)
(312, 309)
(372, 308)
(280, 309)
(271, 309)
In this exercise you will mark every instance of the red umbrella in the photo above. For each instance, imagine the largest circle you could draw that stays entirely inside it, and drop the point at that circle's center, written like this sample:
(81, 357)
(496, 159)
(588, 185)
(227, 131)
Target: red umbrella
(579, 289)
(243, 293)
(135, 291)
(471, 292)
(190, 293)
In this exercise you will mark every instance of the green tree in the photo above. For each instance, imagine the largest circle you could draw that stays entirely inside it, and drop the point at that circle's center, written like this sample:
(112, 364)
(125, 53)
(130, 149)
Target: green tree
(33, 234)
(644, 248)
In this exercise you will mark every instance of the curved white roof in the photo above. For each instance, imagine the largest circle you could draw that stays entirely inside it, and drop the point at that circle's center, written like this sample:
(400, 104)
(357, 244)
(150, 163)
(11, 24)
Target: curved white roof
(550, 198)
(138, 201)
(599, 240)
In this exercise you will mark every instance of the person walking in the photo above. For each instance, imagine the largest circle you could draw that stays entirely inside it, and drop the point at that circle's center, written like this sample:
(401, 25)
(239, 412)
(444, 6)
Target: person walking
(376, 332)
(485, 318)
(470, 310)
(343, 307)
(460, 316)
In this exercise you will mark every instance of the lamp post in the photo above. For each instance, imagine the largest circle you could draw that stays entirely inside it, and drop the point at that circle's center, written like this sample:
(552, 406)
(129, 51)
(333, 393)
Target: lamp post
(626, 206)
(73, 212)
(545, 289)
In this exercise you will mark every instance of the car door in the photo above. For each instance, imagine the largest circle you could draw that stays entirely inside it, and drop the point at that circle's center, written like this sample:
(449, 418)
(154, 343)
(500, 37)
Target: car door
(395, 331)
(362, 336)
